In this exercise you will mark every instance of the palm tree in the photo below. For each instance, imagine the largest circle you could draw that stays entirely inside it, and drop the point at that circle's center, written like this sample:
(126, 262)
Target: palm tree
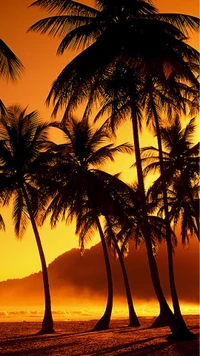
(107, 31)
(78, 190)
(181, 165)
(114, 212)
(127, 224)
(22, 140)
(182, 210)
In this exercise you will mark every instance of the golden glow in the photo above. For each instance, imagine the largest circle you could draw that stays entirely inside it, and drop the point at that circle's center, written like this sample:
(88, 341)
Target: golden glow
(87, 312)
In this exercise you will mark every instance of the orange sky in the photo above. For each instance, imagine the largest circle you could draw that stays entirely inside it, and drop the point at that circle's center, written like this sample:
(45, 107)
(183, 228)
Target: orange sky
(38, 55)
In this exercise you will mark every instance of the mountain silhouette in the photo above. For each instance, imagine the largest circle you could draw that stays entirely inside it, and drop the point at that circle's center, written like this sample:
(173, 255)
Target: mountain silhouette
(74, 278)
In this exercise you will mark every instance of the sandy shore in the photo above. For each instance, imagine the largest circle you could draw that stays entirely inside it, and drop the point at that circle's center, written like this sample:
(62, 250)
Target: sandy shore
(74, 338)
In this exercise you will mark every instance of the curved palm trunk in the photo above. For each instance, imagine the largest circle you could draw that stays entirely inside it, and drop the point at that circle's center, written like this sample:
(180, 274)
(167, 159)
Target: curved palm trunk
(47, 324)
(166, 316)
(104, 322)
(174, 295)
(133, 319)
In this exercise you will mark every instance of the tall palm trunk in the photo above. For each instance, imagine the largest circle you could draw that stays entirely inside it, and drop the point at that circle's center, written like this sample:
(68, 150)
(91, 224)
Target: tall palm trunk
(166, 316)
(133, 319)
(174, 295)
(47, 324)
(104, 322)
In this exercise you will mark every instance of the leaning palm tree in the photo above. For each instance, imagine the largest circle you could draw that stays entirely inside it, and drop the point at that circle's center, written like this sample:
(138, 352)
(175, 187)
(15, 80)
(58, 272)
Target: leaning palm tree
(113, 213)
(127, 225)
(22, 140)
(80, 191)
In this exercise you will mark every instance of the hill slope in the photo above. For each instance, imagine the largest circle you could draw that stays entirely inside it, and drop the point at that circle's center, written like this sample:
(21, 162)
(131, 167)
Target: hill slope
(74, 278)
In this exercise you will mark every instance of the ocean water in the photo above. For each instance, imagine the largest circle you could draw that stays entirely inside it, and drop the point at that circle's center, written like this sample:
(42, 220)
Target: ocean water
(69, 313)
(37, 315)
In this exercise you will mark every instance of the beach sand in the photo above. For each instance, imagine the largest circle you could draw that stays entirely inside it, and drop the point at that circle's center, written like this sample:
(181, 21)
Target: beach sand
(75, 338)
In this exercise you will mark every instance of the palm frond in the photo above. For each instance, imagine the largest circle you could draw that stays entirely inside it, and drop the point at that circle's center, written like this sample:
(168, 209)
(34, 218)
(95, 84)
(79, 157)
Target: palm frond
(3, 110)
(10, 65)
(2, 224)
(64, 6)
(20, 216)
(182, 21)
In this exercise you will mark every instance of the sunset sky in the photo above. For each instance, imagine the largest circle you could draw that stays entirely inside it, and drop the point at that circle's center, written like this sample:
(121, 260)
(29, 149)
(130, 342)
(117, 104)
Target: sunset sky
(38, 55)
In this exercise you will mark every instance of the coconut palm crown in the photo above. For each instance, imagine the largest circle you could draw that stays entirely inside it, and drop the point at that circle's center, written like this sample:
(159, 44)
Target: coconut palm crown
(124, 31)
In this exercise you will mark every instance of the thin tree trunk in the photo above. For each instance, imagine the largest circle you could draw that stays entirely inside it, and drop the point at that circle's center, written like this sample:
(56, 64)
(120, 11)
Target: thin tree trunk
(166, 316)
(133, 319)
(174, 295)
(103, 323)
(47, 324)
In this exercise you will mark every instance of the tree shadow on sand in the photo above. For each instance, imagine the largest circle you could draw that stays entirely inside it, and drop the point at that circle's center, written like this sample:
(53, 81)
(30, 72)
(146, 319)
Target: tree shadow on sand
(38, 339)
(46, 350)
(87, 343)
(183, 348)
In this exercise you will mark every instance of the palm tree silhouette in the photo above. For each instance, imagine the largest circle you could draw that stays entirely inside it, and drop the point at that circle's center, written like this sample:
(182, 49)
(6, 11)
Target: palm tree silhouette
(78, 190)
(113, 212)
(22, 140)
(183, 210)
(128, 224)
(181, 164)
